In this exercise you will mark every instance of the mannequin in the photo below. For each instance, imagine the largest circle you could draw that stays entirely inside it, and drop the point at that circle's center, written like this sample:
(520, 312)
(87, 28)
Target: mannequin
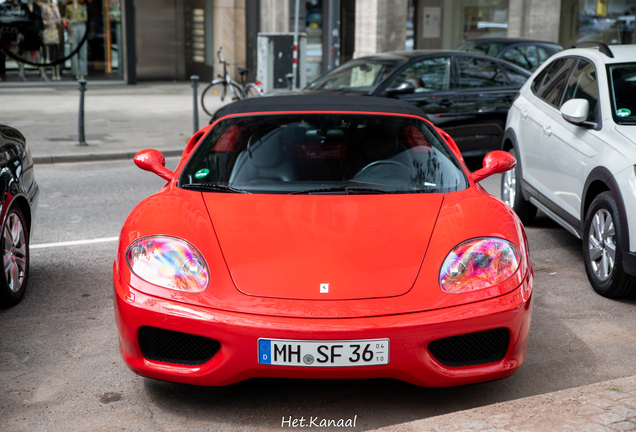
(76, 16)
(51, 34)
(33, 54)
(28, 47)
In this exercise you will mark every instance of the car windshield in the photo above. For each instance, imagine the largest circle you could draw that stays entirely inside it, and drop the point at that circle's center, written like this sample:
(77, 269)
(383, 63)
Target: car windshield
(486, 48)
(323, 154)
(354, 76)
(623, 92)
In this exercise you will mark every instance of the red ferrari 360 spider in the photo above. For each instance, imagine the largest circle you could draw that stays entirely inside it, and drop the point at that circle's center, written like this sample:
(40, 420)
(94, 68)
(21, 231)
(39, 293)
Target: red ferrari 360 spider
(322, 237)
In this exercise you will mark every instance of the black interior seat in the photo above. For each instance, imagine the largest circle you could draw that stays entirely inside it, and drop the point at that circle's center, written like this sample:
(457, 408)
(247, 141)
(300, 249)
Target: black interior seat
(265, 159)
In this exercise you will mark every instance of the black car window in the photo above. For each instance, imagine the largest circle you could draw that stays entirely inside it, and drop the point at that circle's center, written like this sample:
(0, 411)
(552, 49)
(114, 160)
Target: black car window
(543, 54)
(362, 75)
(479, 73)
(516, 78)
(325, 153)
(583, 85)
(538, 81)
(555, 80)
(486, 48)
(524, 56)
(427, 75)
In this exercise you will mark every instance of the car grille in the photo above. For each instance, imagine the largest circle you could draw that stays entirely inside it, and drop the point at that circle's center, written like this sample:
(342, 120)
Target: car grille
(175, 347)
(472, 348)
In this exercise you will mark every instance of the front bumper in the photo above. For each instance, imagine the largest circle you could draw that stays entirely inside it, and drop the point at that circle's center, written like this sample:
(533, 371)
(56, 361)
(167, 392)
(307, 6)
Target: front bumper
(238, 333)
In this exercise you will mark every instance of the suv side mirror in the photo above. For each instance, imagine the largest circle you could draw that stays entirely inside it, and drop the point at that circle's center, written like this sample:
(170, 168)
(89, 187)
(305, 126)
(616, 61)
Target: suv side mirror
(153, 161)
(404, 88)
(495, 162)
(575, 111)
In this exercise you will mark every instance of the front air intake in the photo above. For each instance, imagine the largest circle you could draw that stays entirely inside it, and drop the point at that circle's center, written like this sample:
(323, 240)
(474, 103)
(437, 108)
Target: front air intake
(472, 348)
(176, 347)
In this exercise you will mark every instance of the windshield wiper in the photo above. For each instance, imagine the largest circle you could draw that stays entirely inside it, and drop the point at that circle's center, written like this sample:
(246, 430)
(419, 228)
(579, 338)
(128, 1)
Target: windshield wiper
(214, 188)
(345, 189)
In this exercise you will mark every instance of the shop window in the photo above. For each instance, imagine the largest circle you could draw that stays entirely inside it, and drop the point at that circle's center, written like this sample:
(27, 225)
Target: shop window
(40, 37)
(313, 27)
(478, 73)
(609, 21)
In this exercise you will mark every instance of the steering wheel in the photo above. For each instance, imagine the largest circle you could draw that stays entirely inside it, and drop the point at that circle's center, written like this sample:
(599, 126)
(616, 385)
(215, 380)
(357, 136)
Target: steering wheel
(381, 162)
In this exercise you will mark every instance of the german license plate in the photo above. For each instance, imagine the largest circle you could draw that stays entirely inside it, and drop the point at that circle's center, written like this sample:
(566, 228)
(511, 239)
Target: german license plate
(323, 353)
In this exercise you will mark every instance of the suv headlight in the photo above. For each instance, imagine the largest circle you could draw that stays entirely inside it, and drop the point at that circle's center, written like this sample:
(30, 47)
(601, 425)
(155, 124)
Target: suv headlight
(168, 262)
(477, 264)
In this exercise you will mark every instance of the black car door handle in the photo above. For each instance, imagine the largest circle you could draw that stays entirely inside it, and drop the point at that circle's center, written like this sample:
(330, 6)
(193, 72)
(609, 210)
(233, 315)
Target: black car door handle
(446, 103)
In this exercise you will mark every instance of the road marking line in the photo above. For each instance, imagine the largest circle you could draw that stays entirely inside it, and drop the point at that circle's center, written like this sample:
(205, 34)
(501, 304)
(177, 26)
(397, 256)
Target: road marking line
(73, 243)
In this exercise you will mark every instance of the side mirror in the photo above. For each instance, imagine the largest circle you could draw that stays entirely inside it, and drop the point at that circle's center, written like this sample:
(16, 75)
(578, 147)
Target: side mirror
(575, 111)
(404, 88)
(153, 161)
(495, 162)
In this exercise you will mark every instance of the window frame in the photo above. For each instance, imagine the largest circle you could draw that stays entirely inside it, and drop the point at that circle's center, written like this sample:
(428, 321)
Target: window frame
(611, 91)
(567, 80)
(495, 60)
(598, 88)
(578, 58)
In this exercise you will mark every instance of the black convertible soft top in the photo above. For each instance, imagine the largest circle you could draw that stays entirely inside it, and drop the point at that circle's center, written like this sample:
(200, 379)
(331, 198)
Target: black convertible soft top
(292, 103)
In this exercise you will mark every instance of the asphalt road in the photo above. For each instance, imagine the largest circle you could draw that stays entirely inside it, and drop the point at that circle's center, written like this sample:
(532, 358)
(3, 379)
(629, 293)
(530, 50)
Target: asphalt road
(60, 367)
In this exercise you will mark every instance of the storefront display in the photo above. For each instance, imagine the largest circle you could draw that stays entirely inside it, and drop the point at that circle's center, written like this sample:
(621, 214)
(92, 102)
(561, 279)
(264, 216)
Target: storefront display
(60, 40)
(609, 21)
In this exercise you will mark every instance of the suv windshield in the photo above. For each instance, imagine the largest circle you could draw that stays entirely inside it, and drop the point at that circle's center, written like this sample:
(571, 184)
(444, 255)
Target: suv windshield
(354, 76)
(623, 92)
(323, 154)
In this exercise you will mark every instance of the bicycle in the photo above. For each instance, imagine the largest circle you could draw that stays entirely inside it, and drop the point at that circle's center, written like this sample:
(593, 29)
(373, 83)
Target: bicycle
(216, 91)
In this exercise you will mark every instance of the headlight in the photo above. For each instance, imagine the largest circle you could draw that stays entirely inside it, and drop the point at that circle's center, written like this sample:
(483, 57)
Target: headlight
(477, 264)
(168, 262)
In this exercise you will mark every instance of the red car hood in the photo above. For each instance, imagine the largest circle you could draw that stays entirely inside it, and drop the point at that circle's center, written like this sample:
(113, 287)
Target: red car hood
(365, 246)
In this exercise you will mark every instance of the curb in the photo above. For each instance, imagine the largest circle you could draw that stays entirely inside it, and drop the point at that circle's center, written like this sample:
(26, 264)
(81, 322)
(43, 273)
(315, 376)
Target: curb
(92, 157)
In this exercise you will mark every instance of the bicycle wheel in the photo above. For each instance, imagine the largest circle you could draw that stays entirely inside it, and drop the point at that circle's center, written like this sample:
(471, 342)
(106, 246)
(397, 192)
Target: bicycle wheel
(252, 90)
(237, 90)
(214, 96)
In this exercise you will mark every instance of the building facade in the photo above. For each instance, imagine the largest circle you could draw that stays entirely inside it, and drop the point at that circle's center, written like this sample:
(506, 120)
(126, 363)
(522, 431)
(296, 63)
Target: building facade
(134, 40)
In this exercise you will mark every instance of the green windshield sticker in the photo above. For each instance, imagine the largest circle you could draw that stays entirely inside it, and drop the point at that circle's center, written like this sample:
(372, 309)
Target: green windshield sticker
(623, 112)
(202, 173)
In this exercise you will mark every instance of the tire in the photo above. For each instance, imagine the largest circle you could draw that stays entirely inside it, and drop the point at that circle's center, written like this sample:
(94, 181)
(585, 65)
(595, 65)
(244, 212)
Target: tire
(252, 90)
(602, 253)
(214, 96)
(14, 243)
(511, 193)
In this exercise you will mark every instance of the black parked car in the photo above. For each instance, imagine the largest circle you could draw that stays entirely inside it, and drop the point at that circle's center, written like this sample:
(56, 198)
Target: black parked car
(526, 53)
(468, 95)
(18, 202)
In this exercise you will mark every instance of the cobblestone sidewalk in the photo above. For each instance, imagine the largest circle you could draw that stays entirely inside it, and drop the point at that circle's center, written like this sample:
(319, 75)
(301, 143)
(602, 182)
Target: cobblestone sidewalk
(603, 407)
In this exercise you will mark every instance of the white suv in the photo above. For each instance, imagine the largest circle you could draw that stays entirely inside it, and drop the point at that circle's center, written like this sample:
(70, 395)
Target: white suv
(573, 131)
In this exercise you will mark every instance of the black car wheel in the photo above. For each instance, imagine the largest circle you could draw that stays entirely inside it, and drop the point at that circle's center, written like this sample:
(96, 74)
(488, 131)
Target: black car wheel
(511, 193)
(602, 253)
(14, 242)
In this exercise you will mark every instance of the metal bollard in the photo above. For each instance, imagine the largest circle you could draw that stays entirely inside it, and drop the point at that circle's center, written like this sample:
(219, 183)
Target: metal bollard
(195, 84)
(82, 89)
(290, 81)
